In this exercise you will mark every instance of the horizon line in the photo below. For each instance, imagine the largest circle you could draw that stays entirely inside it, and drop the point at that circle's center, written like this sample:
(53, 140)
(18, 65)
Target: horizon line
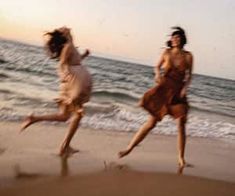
(111, 57)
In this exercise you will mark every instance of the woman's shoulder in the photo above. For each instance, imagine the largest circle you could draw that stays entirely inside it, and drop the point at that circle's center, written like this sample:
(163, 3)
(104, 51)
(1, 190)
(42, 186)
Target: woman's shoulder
(189, 58)
(166, 52)
(68, 49)
(187, 53)
(68, 45)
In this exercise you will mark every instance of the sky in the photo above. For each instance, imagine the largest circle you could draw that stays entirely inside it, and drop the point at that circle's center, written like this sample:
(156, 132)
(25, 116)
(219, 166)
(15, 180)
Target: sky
(131, 30)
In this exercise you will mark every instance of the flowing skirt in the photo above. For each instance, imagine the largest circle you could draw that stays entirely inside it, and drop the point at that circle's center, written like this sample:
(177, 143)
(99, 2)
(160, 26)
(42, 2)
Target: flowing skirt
(165, 99)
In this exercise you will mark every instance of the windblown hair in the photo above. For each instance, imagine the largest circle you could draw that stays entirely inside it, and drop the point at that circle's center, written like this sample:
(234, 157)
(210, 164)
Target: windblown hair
(178, 31)
(55, 44)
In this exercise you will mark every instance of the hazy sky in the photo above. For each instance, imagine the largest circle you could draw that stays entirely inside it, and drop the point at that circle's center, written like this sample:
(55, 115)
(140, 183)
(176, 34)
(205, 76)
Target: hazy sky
(134, 30)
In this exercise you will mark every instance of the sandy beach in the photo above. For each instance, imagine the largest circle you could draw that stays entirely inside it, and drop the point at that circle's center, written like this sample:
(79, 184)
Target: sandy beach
(120, 61)
(29, 164)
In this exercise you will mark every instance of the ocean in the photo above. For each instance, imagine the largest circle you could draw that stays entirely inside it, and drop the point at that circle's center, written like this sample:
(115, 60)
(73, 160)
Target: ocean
(29, 82)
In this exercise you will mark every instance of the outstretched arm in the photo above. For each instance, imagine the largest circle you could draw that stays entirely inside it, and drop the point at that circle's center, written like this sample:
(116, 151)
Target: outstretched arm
(85, 54)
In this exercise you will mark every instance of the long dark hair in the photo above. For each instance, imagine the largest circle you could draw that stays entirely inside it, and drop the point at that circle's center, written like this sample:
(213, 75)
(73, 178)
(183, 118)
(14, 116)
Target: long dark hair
(55, 43)
(178, 31)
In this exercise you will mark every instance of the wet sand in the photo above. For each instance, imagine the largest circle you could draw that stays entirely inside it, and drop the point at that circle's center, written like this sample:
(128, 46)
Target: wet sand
(29, 164)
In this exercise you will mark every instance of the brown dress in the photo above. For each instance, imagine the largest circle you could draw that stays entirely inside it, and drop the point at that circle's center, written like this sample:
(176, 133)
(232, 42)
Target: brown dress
(165, 98)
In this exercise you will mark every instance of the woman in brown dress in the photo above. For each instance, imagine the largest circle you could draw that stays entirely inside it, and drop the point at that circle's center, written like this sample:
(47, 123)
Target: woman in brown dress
(75, 84)
(169, 95)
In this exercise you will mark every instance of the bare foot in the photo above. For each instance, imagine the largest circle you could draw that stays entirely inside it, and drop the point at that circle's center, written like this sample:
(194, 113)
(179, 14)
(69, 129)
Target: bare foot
(123, 153)
(27, 122)
(180, 170)
(67, 151)
(181, 162)
(182, 167)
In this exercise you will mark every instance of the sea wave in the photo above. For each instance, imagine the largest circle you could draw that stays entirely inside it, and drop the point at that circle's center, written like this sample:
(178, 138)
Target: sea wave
(123, 95)
(196, 104)
(121, 118)
(29, 83)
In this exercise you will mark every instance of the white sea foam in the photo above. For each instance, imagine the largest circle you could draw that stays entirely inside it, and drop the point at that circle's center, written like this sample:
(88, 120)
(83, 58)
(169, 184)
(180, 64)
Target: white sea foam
(126, 120)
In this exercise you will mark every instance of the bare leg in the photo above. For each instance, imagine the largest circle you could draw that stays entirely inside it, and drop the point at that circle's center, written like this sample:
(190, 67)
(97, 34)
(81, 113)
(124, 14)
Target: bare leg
(62, 116)
(65, 148)
(181, 141)
(139, 136)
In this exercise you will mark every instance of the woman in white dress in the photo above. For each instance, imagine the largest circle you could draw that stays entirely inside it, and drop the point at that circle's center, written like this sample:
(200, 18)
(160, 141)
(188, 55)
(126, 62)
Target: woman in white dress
(75, 84)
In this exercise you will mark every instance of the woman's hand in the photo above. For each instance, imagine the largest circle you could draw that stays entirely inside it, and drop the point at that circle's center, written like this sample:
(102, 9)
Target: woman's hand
(157, 78)
(183, 92)
(86, 53)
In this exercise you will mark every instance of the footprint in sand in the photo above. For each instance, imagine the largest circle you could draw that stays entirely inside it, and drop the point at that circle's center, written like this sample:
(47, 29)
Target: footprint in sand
(2, 150)
(115, 166)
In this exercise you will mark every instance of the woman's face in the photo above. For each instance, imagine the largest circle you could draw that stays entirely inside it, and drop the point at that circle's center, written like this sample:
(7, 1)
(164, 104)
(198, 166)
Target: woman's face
(175, 41)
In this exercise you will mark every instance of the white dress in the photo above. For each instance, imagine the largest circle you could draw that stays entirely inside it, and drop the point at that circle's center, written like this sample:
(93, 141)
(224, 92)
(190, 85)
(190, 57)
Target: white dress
(75, 87)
